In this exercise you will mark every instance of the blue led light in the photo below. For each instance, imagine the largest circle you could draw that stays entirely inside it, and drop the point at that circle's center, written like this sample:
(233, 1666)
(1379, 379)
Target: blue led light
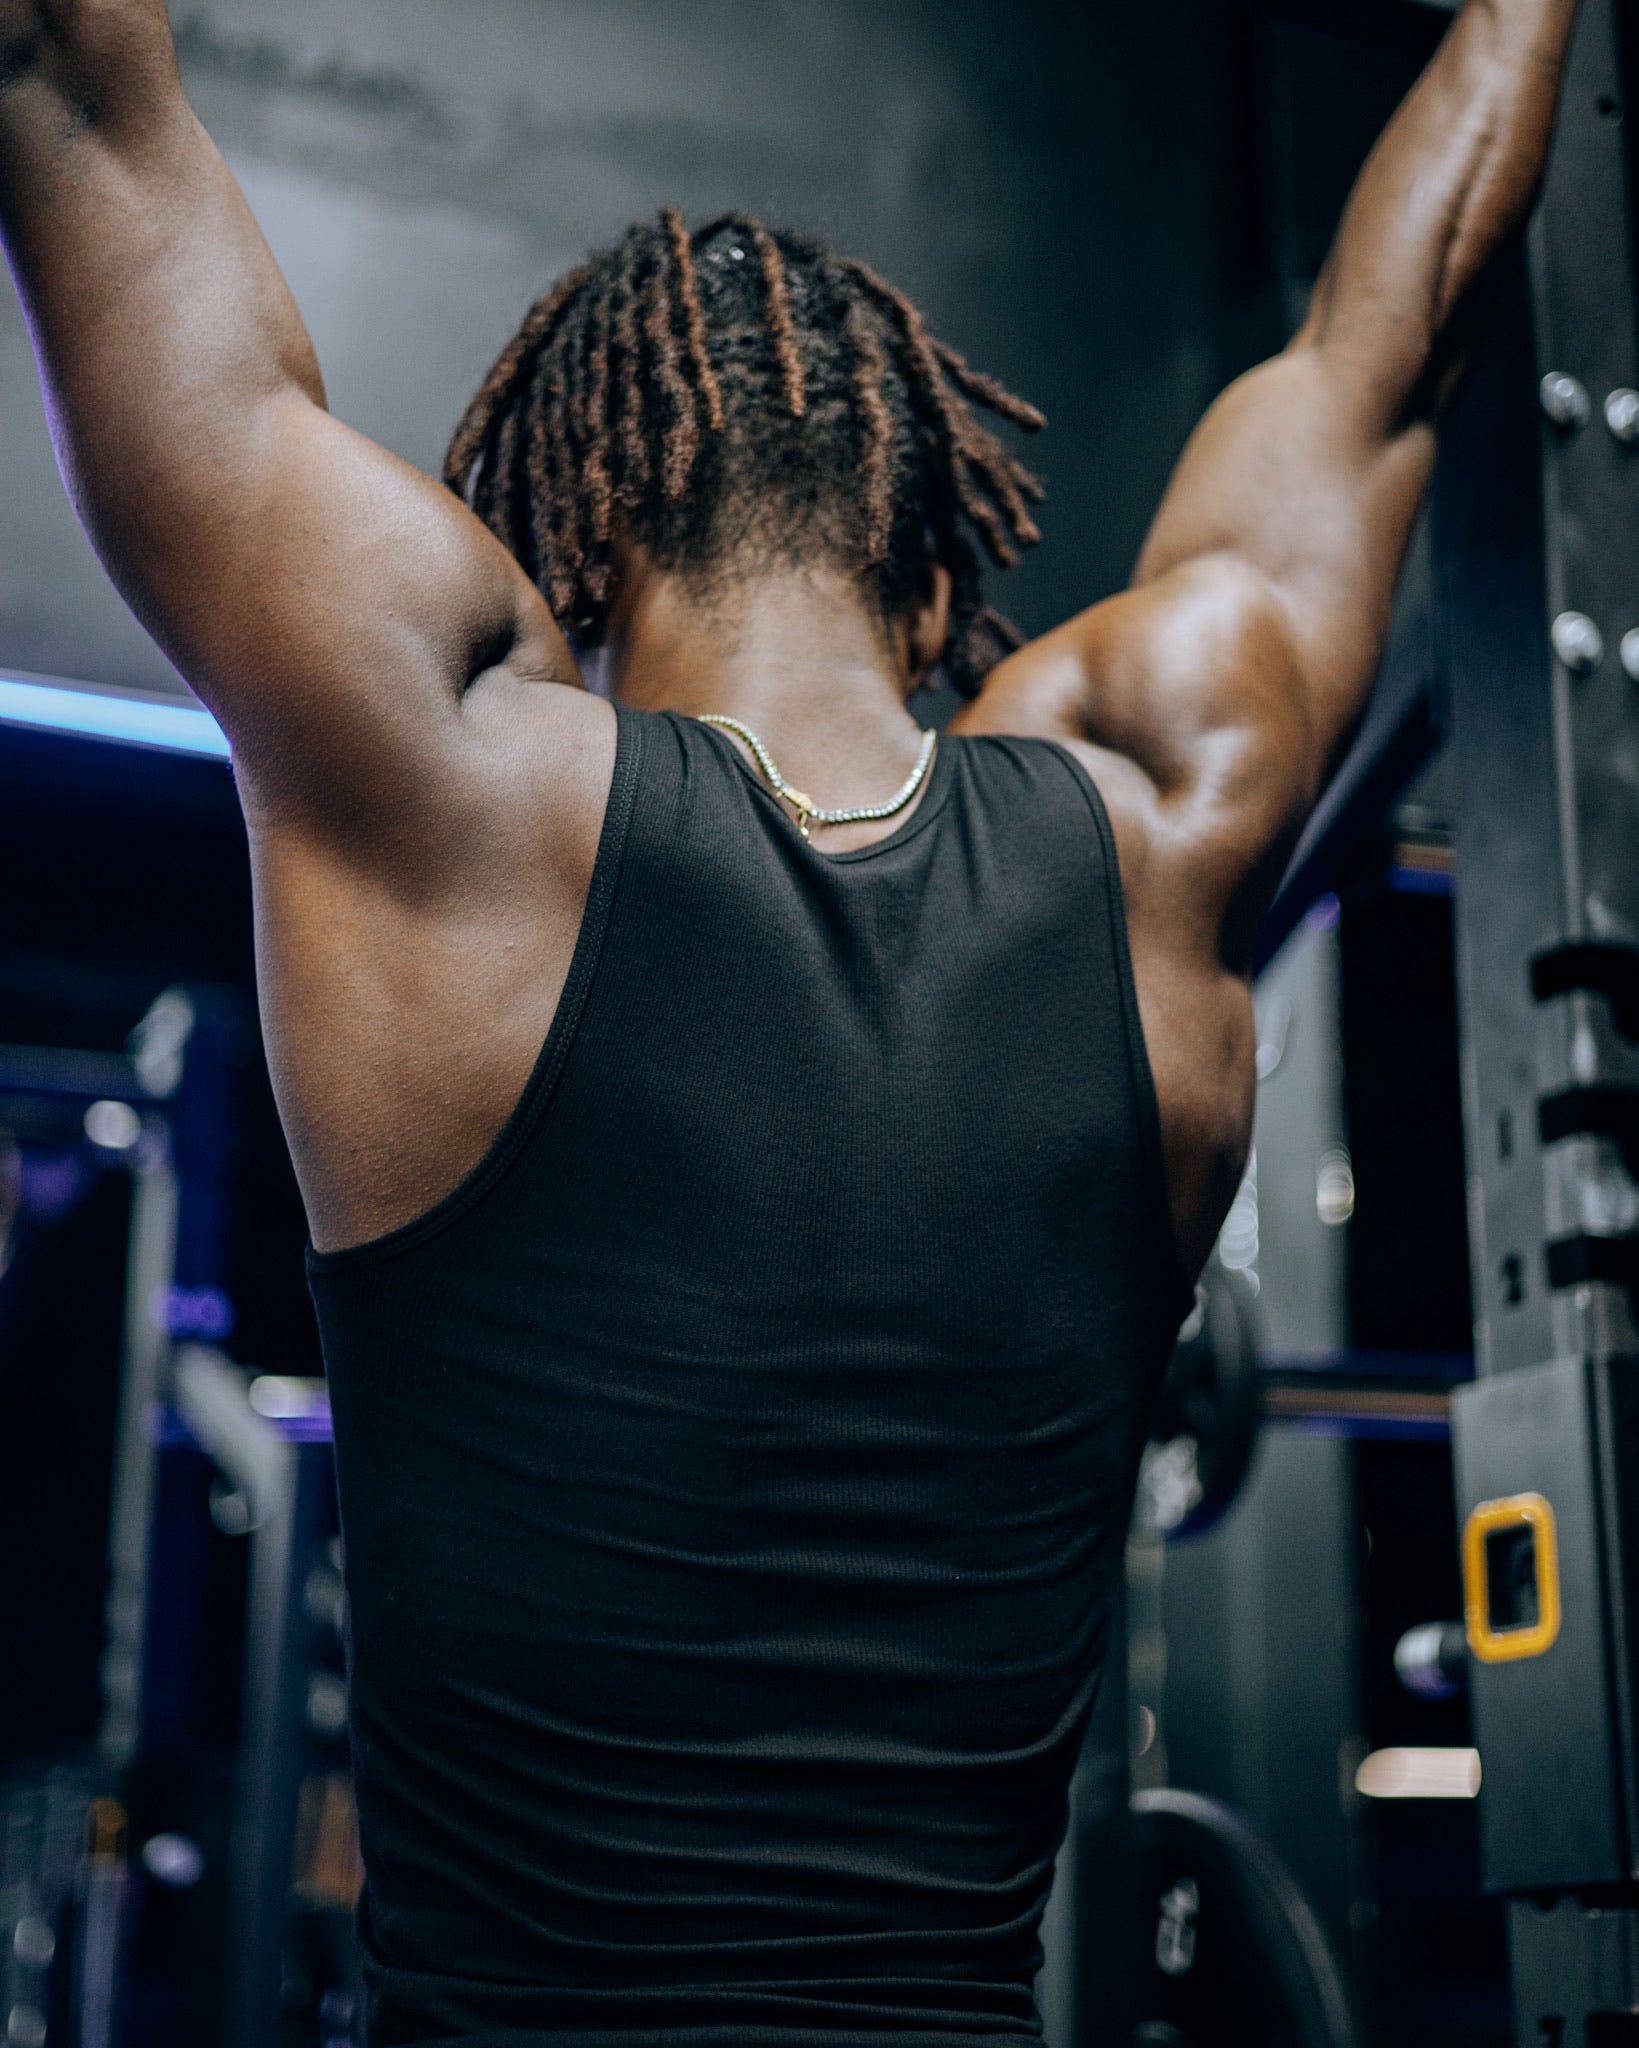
(1422, 881)
(95, 714)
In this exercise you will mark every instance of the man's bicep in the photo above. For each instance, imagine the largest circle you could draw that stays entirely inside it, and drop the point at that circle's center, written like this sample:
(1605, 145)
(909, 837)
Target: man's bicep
(1290, 477)
(333, 605)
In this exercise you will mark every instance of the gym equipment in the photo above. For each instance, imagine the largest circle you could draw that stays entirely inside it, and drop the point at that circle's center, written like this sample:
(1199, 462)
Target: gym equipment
(100, 1927)
(1528, 659)
(68, 1911)
(1220, 1387)
(62, 1882)
(271, 1442)
(1206, 1415)
(1536, 525)
(160, 1112)
(1235, 1955)
(1432, 1660)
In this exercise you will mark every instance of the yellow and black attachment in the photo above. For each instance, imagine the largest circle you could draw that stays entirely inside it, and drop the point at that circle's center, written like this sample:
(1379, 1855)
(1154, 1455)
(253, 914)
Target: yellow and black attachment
(1511, 1594)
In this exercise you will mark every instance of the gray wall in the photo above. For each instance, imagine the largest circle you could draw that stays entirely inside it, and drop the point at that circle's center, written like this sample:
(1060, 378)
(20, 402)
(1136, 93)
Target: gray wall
(1045, 178)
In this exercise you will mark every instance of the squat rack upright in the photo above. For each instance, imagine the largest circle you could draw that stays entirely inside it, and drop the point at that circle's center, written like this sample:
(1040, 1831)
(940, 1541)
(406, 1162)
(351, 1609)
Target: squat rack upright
(1518, 639)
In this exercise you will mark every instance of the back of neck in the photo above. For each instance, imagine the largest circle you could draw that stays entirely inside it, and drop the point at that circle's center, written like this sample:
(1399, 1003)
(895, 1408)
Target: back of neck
(797, 656)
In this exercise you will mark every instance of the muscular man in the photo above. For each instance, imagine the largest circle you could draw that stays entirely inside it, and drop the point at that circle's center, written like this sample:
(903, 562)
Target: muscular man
(744, 1239)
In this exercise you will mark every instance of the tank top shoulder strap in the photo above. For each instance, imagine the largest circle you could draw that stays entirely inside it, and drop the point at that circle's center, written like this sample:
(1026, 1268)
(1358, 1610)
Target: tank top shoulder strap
(1042, 797)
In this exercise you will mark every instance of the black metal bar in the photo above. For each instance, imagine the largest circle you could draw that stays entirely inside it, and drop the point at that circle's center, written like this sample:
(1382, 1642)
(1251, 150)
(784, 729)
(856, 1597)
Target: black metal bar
(53, 1071)
(288, 1484)
(1429, 1369)
(1536, 522)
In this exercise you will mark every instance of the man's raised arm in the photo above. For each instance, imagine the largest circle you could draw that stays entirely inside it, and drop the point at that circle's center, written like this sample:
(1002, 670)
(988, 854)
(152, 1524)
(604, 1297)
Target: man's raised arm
(1236, 664)
(329, 602)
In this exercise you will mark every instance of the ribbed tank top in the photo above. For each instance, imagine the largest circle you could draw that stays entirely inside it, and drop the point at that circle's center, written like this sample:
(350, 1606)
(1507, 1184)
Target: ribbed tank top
(735, 1469)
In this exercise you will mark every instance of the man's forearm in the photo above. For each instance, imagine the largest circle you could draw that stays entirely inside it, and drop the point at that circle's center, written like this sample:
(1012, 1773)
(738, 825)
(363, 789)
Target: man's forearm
(163, 329)
(1309, 470)
(1451, 179)
(99, 56)
(85, 86)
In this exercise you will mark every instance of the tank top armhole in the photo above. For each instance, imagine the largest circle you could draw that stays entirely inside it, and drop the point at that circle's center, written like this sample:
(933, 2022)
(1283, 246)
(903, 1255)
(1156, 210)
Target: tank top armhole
(1177, 1288)
(516, 1132)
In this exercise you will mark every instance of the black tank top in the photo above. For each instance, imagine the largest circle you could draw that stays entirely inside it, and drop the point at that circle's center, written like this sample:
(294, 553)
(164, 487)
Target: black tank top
(735, 1469)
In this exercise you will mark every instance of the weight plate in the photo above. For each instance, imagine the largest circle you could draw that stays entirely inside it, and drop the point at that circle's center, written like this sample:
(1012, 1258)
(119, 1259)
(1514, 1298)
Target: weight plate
(1235, 1955)
(1205, 1423)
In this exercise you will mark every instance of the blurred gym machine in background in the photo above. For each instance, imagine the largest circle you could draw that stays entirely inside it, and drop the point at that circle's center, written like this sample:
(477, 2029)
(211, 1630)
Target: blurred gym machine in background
(213, 1722)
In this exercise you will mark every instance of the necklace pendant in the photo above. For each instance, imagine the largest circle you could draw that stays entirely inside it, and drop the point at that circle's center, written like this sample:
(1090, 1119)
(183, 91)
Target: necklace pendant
(804, 805)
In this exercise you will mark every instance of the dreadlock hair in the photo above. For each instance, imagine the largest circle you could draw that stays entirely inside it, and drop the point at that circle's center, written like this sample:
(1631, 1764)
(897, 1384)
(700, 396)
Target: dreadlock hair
(745, 393)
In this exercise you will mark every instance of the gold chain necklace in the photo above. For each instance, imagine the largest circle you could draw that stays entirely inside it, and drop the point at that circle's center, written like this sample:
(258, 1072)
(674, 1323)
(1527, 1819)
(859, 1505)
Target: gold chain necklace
(808, 812)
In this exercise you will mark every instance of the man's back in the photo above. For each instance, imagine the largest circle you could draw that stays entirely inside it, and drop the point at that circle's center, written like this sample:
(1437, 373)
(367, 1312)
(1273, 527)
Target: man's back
(735, 1471)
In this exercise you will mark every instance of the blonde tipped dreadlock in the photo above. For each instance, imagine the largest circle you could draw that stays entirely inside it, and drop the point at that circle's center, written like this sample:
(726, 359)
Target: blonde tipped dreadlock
(745, 390)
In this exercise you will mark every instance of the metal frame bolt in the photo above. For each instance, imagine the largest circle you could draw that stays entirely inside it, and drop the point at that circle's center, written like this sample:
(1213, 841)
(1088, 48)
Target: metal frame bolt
(1565, 400)
(1622, 415)
(1578, 642)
